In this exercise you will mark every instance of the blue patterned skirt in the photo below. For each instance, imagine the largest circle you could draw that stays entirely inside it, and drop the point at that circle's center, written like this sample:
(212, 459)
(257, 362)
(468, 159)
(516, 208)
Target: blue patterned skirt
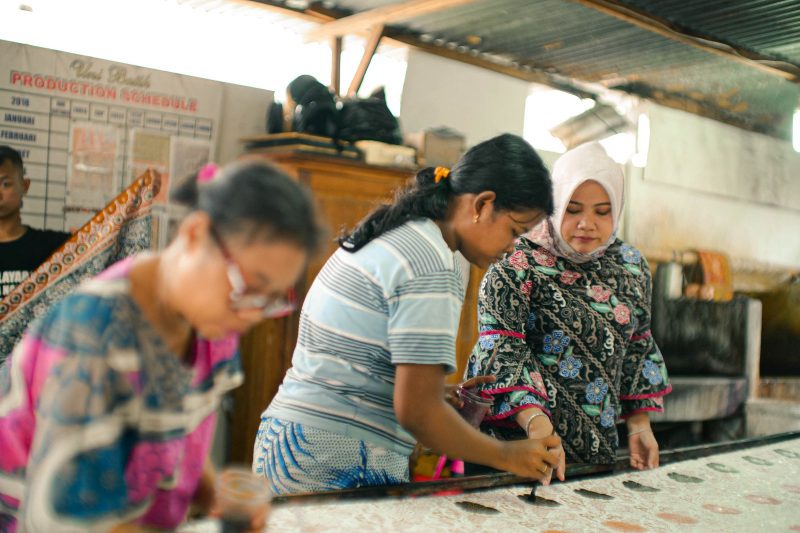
(300, 458)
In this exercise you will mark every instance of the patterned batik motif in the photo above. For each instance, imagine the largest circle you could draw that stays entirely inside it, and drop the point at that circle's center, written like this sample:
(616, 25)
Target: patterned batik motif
(99, 422)
(571, 339)
(121, 229)
(297, 458)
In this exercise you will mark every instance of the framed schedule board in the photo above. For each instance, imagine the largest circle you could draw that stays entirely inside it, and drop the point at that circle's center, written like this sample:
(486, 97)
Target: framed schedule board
(85, 127)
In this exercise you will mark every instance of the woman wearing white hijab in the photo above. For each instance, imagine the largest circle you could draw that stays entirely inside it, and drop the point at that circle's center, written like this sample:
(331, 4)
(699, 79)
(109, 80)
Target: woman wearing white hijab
(565, 325)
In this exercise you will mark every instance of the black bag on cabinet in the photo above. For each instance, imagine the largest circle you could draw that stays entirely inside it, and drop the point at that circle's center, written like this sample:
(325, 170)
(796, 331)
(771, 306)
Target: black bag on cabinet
(370, 119)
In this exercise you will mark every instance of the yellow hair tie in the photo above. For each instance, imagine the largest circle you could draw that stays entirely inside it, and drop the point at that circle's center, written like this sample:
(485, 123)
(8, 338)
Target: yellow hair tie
(440, 173)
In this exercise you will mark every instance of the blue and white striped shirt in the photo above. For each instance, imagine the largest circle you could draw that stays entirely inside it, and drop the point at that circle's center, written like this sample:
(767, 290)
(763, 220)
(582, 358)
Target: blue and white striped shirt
(397, 300)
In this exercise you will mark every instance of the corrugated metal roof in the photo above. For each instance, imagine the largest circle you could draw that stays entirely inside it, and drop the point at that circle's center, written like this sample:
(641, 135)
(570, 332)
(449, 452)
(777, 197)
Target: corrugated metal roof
(570, 39)
(771, 27)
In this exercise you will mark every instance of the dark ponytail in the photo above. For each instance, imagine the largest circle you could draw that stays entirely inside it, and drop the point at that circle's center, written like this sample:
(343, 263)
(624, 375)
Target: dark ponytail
(255, 200)
(423, 198)
(506, 165)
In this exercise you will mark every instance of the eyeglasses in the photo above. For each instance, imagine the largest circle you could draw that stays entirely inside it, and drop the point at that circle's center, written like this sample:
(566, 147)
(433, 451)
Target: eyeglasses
(240, 299)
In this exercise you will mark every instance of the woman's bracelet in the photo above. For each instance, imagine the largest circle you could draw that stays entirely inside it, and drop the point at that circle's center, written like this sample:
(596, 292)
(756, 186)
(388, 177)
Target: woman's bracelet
(639, 431)
(528, 423)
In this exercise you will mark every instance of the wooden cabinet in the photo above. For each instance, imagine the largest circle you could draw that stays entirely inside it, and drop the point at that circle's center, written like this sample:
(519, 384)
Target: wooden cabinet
(345, 191)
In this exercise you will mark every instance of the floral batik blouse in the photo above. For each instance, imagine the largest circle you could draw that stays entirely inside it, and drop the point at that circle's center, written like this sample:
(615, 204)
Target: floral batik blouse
(572, 339)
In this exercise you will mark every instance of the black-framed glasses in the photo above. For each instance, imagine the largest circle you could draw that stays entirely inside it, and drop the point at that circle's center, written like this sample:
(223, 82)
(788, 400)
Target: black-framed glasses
(240, 298)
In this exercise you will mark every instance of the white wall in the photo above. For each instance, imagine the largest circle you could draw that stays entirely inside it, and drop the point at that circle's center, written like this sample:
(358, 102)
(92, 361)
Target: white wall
(244, 113)
(713, 186)
(474, 101)
(696, 153)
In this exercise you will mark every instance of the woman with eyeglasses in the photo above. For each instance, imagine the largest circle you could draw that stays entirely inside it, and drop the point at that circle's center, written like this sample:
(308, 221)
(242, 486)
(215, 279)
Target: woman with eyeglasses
(378, 330)
(107, 405)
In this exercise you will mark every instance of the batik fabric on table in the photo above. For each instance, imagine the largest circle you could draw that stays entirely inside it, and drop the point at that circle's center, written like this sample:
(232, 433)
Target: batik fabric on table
(121, 229)
(572, 339)
(99, 422)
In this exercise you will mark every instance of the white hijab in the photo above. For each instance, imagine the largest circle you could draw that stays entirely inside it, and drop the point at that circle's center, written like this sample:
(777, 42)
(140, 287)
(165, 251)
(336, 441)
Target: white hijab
(586, 162)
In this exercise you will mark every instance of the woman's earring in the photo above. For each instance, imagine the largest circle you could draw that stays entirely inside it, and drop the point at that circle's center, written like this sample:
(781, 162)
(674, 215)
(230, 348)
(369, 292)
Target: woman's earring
(475, 219)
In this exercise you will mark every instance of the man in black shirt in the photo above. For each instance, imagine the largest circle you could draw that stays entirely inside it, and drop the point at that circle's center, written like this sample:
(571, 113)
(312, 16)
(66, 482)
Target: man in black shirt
(22, 248)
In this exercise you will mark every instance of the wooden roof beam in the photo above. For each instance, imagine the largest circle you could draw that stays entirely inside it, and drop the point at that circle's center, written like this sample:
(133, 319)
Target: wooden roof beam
(369, 52)
(380, 16)
(336, 65)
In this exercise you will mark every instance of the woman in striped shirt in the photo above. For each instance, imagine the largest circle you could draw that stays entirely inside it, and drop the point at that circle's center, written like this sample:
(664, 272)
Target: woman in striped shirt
(378, 331)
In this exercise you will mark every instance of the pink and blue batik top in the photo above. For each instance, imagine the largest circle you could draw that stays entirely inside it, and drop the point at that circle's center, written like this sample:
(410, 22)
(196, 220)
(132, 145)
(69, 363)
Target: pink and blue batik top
(100, 423)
